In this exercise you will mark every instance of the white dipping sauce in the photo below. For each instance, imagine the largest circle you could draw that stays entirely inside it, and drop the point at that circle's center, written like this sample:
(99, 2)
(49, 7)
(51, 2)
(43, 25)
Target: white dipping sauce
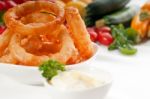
(75, 80)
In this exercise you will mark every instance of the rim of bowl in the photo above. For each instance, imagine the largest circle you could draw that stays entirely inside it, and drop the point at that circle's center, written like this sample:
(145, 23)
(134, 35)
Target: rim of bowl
(96, 46)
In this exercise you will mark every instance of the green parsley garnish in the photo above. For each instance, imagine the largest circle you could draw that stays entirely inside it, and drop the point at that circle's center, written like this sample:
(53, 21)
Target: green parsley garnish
(51, 68)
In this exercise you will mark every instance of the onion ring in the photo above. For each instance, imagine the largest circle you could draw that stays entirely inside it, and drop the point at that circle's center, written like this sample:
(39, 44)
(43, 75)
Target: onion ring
(68, 49)
(65, 53)
(13, 15)
(37, 32)
(37, 17)
(4, 40)
(8, 58)
(80, 35)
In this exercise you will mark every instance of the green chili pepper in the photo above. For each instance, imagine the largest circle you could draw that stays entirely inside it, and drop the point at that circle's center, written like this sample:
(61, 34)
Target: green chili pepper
(127, 51)
(123, 39)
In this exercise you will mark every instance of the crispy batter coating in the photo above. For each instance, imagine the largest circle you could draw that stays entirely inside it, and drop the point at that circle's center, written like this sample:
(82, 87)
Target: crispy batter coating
(12, 17)
(79, 33)
(38, 31)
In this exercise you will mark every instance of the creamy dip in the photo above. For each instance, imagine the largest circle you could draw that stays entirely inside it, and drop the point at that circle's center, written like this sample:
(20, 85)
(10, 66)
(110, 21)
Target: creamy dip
(75, 80)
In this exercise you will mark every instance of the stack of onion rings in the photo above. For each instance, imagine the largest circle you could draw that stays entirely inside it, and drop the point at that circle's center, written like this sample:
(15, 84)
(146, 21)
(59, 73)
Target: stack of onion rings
(36, 32)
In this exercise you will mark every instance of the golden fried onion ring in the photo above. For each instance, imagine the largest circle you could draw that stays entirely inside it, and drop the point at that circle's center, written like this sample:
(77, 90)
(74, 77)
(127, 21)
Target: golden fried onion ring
(4, 40)
(33, 37)
(13, 15)
(67, 50)
(8, 58)
(37, 17)
(80, 35)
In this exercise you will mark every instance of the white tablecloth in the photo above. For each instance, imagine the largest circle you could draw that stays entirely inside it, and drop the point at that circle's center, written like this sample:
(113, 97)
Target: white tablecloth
(130, 74)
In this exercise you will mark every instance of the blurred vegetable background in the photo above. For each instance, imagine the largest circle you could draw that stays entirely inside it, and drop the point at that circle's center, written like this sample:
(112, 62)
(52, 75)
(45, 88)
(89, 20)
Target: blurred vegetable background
(116, 24)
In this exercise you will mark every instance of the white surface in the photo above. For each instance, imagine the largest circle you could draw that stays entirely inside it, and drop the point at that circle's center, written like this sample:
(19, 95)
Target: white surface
(130, 74)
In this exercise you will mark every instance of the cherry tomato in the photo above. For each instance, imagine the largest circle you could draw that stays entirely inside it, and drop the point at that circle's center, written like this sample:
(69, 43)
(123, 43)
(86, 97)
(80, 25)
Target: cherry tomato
(105, 38)
(93, 34)
(10, 4)
(103, 29)
(2, 5)
(2, 29)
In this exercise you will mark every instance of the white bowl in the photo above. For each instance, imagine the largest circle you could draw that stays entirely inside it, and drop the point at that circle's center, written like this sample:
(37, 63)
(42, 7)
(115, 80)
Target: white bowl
(94, 93)
(31, 75)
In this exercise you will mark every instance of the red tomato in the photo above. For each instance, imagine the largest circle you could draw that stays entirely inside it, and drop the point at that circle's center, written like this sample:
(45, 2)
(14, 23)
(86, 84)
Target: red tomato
(18, 1)
(103, 29)
(2, 29)
(10, 4)
(2, 5)
(105, 38)
(93, 34)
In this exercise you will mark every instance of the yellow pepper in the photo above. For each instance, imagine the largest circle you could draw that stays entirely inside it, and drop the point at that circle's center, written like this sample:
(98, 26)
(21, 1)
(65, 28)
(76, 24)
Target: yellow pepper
(79, 5)
(140, 26)
(141, 21)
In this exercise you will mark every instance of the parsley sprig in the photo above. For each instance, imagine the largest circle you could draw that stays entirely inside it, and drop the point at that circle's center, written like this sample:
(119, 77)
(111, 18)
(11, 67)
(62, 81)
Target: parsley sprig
(51, 68)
